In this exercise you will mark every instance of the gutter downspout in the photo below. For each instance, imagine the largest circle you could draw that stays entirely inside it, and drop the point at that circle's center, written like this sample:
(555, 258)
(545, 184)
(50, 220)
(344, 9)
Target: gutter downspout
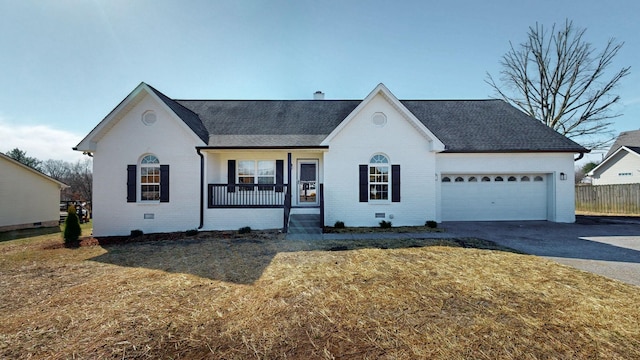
(201, 188)
(579, 157)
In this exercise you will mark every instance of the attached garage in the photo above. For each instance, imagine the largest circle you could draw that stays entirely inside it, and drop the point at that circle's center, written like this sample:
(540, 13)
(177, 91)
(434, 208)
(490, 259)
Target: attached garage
(485, 197)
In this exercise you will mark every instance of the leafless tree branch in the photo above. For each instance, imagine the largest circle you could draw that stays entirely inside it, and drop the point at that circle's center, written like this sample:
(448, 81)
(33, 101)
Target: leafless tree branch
(558, 78)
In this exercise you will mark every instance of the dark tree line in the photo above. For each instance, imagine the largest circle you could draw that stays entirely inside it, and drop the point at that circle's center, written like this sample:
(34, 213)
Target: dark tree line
(78, 175)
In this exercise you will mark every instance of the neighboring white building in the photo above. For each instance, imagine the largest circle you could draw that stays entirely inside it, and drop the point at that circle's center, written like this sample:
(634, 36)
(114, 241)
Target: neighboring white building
(171, 165)
(622, 163)
(28, 198)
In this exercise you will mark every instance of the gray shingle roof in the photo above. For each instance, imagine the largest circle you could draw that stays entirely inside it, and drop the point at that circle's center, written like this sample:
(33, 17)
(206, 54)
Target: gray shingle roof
(189, 117)
(297, 122)
(462, 125)
(630, 139)
(487, 126)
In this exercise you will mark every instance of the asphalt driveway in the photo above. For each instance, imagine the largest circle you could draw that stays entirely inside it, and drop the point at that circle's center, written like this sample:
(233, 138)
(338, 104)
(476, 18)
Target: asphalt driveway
(608, 246)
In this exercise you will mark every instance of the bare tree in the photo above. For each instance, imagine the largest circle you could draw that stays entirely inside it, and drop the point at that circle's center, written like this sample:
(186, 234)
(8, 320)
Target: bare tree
(80, 180)
(57, 169)
(559, 79)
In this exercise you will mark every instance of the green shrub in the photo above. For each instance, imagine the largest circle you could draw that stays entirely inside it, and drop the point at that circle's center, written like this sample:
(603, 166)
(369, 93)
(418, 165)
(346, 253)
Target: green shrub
(385, 224)
(72, 230)
(136, 233)
(244, 230)
(192, 232)
(431, 224)
(339, 225)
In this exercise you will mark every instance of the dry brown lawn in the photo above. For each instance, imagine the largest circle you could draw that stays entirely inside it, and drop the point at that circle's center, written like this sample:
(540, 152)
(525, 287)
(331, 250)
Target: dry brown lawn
(227, 297)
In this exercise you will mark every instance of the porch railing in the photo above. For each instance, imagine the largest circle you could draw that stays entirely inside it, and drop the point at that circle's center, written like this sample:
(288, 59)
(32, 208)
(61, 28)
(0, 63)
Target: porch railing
(247, 195)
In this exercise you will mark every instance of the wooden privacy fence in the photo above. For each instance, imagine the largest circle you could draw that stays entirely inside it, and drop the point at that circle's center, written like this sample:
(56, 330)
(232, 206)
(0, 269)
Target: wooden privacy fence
(611, 199)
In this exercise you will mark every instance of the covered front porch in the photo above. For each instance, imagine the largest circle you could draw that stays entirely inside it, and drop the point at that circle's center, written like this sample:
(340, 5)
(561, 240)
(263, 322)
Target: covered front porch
(260, 188)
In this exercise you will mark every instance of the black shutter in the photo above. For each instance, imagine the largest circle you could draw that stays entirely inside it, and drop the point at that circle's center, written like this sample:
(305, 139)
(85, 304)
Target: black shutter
(164, 183)
(231, 176)
(131, 183)
(395, 183)
(364, 183)
(279, 175)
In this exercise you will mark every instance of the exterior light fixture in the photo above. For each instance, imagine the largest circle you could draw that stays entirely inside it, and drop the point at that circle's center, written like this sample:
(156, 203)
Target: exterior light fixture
(563, 176)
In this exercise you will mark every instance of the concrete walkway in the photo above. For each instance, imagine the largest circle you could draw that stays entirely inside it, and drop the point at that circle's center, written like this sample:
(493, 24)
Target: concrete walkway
(609, 246)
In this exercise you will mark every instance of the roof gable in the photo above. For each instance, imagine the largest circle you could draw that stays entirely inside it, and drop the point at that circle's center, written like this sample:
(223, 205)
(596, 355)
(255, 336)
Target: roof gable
(612, 158)
(435, 143)
(181, 114)
(32, 170)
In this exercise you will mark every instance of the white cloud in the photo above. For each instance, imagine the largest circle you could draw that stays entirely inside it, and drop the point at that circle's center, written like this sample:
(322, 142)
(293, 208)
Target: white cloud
(40, 141)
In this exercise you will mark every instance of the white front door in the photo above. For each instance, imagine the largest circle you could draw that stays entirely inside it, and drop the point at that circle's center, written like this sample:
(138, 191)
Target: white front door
(307, 182)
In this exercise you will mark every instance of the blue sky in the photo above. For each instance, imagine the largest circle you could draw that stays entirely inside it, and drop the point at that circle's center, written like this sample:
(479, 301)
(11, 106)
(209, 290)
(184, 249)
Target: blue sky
(66, 64)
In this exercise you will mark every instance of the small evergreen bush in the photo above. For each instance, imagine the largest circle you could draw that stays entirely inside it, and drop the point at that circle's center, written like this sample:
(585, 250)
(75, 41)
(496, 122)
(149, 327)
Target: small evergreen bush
(244, 230)
(431, 224)
(339, 225)
(385, 224)
(72, 230)
(136, 233)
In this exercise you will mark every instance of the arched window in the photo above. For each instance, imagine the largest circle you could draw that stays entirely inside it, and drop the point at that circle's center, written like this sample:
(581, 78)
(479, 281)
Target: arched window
(149, 178)
(538, 178)
(379, 177)
(459, 179)
(486, 179)
(446, 179)
(525, 178)
(512, 178)
(472, 179)
(498, 178)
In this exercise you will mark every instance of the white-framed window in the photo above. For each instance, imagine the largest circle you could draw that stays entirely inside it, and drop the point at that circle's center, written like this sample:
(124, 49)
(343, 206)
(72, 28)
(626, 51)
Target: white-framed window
(149, 178)
(261, 172)
(379, 177)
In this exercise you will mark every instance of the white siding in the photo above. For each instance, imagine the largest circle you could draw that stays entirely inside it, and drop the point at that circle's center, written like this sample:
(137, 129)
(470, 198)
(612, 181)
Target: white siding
(125, 143)
(622, 163)
(26, 197)
(560, 193)
(403, 145)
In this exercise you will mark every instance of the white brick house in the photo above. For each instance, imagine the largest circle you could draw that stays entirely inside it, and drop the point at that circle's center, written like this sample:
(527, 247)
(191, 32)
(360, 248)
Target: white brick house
(171, 165)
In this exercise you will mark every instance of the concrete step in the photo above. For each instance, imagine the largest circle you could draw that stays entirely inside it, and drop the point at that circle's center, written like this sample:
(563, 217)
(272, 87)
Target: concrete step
(304, 224)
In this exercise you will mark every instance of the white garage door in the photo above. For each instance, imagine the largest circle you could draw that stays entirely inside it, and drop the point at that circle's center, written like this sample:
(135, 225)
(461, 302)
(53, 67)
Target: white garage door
(494, 197)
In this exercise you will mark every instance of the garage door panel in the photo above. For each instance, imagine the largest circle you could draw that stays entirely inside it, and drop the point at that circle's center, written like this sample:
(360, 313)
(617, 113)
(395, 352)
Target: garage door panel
(494, 200)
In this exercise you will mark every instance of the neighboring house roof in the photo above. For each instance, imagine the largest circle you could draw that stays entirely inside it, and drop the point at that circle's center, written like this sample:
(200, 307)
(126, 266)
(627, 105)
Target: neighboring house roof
(34, 171)
(630, 139)
(631, 150)
(461, 125)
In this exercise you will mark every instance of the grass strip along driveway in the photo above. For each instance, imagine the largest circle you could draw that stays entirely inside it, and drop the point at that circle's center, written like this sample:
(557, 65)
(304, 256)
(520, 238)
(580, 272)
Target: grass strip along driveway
(219, 295)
